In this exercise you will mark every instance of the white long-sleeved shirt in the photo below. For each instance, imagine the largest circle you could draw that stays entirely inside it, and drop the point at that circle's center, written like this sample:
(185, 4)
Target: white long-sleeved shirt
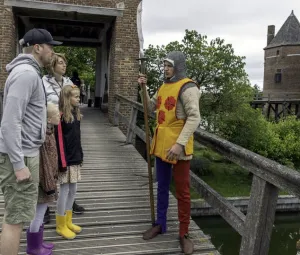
(53, 88)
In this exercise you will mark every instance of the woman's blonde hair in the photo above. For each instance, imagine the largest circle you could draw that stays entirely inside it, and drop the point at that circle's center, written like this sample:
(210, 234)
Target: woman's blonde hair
(65, 106)
(55, 58)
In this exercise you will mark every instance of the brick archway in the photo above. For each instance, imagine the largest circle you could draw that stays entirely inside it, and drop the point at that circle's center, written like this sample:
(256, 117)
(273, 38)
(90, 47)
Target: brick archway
(108, 25)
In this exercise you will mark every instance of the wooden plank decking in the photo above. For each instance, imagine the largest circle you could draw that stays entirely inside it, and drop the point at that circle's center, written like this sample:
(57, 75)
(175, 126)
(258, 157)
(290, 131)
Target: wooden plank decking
(116, 200)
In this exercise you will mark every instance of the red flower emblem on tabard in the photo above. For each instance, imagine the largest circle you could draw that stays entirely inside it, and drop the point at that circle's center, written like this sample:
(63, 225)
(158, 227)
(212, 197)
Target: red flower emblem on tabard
(170, 103)
(158, 102)
(161, 117)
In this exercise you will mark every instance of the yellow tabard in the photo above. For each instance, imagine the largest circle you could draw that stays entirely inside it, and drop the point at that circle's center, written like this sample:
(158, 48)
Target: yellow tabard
(168, 126)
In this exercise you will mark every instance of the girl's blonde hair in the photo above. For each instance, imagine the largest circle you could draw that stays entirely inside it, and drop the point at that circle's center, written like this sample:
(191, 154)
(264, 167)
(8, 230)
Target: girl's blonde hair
(52, 109)
(55, 58)
(65, 106)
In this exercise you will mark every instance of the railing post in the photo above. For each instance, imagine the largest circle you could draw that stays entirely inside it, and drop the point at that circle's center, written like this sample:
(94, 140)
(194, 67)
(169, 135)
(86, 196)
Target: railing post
(260, 218)
(117, 110)
(297, 112)
(1, 105)
(132, 124)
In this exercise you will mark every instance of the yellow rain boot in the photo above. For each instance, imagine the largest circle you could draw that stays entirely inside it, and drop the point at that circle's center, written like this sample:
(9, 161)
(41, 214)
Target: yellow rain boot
(62, 228)
(73, 227)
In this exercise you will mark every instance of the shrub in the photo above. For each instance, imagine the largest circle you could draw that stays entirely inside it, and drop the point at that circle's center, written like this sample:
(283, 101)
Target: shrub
(248, 128)
(201, 166)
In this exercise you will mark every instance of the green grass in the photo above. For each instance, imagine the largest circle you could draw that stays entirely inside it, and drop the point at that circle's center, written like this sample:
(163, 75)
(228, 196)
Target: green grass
(226, 178)
(229, 180)
(209, 154)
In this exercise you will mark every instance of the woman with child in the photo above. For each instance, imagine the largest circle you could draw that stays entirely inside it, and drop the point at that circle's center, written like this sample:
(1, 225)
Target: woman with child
(60, 158)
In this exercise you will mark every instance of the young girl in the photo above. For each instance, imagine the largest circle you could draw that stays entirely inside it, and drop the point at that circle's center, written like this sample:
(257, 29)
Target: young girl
(70, 158)
(47, 186)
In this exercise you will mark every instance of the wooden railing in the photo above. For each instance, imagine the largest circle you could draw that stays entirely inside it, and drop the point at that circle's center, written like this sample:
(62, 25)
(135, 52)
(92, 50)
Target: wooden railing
(1, 105)
(268, 178)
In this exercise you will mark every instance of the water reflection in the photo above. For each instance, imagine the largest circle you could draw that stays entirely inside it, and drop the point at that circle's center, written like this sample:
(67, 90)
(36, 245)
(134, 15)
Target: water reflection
(284, 237)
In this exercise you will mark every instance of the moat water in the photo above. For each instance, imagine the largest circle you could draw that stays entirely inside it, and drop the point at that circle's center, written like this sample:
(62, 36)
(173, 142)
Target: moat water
(286, 233)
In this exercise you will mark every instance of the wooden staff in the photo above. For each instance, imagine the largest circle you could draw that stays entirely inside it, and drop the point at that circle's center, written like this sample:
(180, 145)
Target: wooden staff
(147, 131)
(145, 103)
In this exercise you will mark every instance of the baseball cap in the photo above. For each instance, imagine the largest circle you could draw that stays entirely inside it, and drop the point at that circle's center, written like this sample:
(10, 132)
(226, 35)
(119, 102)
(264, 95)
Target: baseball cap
(39, 36)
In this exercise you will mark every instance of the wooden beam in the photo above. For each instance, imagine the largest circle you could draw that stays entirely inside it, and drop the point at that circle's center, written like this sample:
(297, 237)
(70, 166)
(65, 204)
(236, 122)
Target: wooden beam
(134, 104)
(63, 16)
(280, 176)
(73, 23)
(104, 31)
(81, 44)
(260, 218)
(228, 211)
(278, 101)
(92, 10)
(76, 39)
(132, 125)
(269, 111)
(134, 128)
(91, 31)
(116, 113)
(81, 30)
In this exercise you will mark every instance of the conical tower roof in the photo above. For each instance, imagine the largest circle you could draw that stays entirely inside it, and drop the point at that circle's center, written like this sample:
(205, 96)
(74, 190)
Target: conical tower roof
(289, 33)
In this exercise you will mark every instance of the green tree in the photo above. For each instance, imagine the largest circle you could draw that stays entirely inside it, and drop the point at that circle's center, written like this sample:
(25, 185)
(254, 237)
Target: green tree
(81, 59)
(287, 150)
(155, 71)
(248, 128)
(257, 92)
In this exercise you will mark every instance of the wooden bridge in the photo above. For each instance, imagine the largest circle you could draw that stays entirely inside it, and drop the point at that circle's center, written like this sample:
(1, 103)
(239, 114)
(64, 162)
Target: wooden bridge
(278, 105)
(114, 191)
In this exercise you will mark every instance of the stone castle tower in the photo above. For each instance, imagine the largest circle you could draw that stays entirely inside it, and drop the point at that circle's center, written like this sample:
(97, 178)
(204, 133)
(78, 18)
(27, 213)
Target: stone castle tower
(282, 61)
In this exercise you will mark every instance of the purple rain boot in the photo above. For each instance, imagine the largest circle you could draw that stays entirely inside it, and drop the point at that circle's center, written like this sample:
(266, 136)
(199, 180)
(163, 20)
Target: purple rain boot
(46, 245)
(34, 244)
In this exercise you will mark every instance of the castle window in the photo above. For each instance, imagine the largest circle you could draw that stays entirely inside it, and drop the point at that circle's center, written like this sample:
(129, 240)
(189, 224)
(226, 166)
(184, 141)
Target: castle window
(277, 53)
(278, 76)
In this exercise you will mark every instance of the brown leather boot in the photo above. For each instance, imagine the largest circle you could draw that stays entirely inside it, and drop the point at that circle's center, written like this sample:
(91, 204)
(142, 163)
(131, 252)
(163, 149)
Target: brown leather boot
(186, 245)
(152, 232)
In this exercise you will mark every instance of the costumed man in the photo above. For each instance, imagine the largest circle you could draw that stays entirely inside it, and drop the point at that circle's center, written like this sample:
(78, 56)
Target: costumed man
(177, 114)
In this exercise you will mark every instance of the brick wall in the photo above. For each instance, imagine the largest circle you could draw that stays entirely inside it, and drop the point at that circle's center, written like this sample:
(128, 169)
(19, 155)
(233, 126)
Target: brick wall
(278, 58)
(7, 40)
(124, 50)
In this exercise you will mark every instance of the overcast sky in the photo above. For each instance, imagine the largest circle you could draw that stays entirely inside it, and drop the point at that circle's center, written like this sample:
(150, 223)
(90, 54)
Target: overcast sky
(241, 23)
